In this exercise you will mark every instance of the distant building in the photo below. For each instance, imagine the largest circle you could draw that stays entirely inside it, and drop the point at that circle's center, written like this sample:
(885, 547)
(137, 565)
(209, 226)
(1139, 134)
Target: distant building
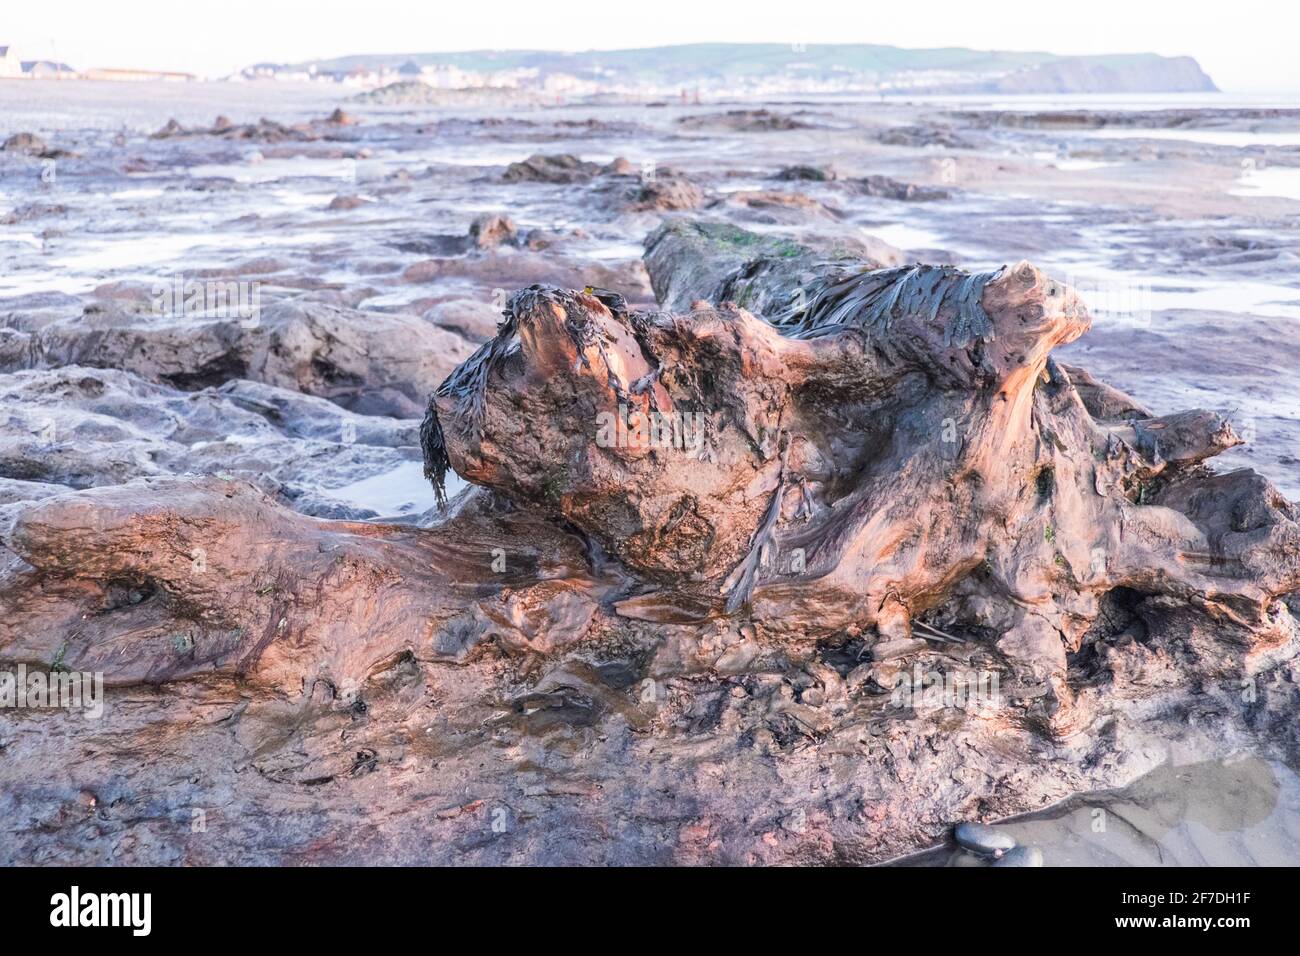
(444, 76)
(10, 65)
(136, 76)
(48, 70)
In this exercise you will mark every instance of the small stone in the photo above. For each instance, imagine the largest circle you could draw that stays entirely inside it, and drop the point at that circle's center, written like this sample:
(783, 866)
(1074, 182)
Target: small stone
(980, 838)
(1021, 856)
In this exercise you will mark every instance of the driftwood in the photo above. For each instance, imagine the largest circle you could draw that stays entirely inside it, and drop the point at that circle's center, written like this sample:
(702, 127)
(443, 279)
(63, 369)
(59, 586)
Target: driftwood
(672, 622)
(893, 445)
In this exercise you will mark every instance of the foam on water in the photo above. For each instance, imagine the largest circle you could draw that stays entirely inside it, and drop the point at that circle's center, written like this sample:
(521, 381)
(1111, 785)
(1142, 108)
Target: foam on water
(1281, 181)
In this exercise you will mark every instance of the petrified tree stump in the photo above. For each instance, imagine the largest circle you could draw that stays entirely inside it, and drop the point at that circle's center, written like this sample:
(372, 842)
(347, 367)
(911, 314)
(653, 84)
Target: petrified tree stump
(891, 445)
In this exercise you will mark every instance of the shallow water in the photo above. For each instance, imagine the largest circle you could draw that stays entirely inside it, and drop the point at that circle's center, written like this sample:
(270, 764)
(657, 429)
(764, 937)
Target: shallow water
(1213, 137)
(1239, 812)
(404, 491)
(1283, 181)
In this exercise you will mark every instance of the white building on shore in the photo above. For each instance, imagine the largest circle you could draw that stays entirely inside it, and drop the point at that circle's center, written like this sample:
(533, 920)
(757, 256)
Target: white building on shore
(10, 65)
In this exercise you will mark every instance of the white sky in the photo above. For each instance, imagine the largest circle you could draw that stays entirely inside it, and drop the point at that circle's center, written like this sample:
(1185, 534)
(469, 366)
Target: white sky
(1245, 45)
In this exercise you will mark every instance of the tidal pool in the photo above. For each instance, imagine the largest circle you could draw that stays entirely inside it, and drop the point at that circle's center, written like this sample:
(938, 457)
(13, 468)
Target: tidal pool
(1243, 811)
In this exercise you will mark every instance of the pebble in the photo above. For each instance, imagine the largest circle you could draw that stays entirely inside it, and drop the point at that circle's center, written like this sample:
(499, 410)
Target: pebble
(1021, 856)
(983, 839)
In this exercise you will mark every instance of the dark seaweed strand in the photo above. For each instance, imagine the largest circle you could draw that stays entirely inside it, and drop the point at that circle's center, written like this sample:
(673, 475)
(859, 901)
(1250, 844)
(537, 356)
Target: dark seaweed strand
(872, 300)
(436, 461)
(467, 384)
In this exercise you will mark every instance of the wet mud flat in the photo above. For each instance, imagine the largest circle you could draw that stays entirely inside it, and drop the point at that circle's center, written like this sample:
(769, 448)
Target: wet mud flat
(335, 267)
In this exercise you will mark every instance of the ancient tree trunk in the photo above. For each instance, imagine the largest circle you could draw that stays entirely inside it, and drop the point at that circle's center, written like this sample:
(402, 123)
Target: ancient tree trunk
(892, 444)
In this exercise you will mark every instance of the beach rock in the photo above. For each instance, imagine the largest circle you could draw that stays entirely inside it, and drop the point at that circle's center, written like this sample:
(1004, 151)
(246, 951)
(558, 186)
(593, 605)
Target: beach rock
(776, 206)
(492, 229)
(924, 136)
(885, 187)
(816, 174)
(370, 362)
(559, 168)
(86, 428)
(668, 193)
(474, 319)
(343, 203)
(27, 143)
(340, 118)
(744, 121)
(27, 212)
(1021, 856)
(983, 839)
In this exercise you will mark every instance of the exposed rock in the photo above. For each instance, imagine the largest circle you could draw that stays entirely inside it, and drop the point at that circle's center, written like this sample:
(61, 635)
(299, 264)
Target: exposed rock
(983, 839)
(1021, 856)
(523, 266)
(924, 136)
(264, 130)
(759, 120)
(340, 118)
(369, 362)
(32, 210)
(816, 174)
(884, 187)
(28, 143)
(668, 193)
(342, 203)
(561, 168)
(474, 319)
(698, 259)
(776, 206)
(84, 428)
(492, 229)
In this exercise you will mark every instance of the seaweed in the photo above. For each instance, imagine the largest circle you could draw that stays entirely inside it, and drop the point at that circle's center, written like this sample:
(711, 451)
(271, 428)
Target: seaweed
(468, 383)
(872, 299)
